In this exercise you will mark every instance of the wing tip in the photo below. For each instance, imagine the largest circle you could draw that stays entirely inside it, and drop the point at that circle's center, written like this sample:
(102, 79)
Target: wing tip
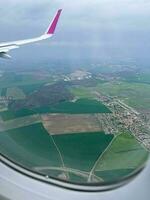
(53, 25)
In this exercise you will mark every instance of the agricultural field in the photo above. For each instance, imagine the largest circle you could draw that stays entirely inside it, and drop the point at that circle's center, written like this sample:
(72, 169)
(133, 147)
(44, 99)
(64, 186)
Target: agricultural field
(136, 95)
(70, 123)
(15, 93)
(123, 156)
(28, 89)
(57, 155)
(18, 86)
(81, 106)
(48, 95)
(82, 92)
(9, 115)
(29, 146)
(19, 122)
(73, 157)
(138, 78)
(74, 130)
(81, 150)
(11, 79)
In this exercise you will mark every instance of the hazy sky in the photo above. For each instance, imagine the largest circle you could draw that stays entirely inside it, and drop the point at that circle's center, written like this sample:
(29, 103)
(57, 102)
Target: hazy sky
(99, 28)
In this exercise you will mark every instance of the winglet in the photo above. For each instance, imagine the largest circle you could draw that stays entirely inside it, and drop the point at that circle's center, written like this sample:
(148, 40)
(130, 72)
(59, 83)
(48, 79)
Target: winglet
(53, 25)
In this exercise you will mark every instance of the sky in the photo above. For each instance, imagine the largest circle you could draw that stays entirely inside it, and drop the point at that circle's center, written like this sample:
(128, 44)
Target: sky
(87, 29)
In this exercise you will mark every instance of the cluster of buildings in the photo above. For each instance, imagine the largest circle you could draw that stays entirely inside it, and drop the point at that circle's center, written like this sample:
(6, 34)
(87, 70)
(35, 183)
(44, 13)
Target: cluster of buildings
(78, 75)
(124, 117)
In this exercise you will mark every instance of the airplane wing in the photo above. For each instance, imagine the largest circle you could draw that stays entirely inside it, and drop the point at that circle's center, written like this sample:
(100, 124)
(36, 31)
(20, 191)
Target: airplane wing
(7, 46)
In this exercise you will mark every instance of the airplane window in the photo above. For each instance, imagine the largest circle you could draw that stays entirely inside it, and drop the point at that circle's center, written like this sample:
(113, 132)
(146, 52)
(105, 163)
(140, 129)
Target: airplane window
(76, 109)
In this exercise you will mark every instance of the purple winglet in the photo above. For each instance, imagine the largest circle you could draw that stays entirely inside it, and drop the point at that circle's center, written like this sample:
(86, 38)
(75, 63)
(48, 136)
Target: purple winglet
(53, 25)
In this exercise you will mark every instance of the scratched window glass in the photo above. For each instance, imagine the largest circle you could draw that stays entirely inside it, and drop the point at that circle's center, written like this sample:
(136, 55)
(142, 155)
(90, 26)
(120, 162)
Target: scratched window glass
(75, 98)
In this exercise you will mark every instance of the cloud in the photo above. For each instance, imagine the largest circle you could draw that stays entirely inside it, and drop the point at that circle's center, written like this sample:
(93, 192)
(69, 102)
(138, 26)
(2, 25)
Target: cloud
(93, 24)
(86, 9)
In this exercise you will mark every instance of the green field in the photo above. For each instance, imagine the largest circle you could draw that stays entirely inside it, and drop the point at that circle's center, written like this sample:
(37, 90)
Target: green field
(81, 106)
(111, 157)
(14, 80)
(136, 95)
(33, 148)
(28, 89)
(8, 115)
(16, 93)
(81, 150)
(138, 78)
(124, 153)
(82, 92)
(29, 146)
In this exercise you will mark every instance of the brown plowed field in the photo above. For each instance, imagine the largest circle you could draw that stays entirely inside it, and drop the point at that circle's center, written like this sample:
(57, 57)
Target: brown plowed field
(64, 123)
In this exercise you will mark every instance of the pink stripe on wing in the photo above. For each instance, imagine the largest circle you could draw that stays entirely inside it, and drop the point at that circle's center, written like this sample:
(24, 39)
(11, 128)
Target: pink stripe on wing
(54, 23)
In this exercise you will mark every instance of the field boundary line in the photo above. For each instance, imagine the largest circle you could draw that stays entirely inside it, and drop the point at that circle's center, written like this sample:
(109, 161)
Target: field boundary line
(92, 170)
(61, 157)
